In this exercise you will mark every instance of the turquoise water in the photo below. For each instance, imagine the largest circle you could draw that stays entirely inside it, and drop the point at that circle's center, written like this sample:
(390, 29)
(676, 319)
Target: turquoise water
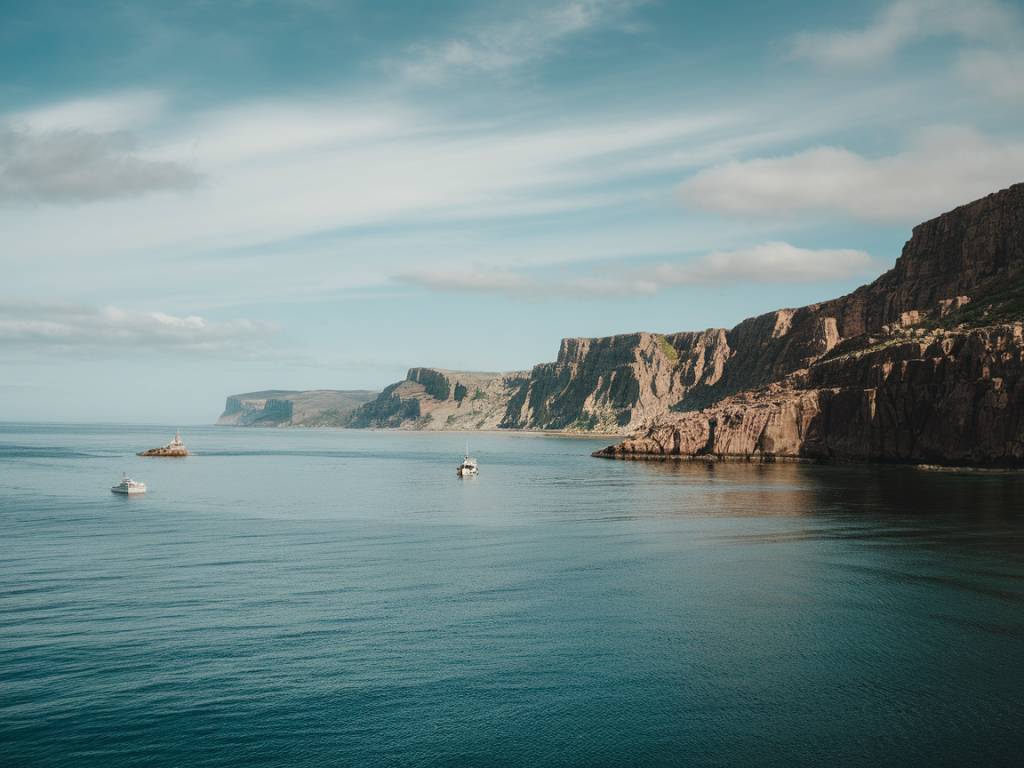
(313, 598)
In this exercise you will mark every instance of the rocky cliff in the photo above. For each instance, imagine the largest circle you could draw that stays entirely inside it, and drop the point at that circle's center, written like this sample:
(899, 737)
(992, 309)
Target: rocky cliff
(606, 385)
(434, 398)
(925, 364)
(289, 408)
(615, 384)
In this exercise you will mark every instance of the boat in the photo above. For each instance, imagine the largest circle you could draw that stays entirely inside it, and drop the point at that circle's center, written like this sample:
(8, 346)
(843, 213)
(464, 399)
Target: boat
(173, 448)
(129, 487)
(468, 466)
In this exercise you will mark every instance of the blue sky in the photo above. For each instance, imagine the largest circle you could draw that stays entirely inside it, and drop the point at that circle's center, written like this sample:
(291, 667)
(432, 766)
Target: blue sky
(200, 198)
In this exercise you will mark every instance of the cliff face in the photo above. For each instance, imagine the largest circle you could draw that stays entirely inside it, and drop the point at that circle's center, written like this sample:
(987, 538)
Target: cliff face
(616, 383)
(948, 397)
(288, 408)
(608, 385)
(924, 364)
(433, 398)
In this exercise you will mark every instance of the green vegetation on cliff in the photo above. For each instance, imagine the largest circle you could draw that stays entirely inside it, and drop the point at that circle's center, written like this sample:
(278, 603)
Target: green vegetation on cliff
(667, 349)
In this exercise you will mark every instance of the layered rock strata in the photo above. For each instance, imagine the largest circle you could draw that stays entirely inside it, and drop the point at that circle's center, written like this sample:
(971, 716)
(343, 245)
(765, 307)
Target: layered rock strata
(925, 364)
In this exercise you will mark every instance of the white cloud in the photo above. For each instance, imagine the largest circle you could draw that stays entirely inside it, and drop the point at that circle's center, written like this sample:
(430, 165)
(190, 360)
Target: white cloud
(904, 22)
(509, 43)
(242, 134)
(997, 73)
(771, 262)
(117, 333)
(120, 111)
(943, 168)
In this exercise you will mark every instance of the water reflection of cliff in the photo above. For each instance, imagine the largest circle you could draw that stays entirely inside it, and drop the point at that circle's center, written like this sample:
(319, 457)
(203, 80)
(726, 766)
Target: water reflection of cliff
(968, 506)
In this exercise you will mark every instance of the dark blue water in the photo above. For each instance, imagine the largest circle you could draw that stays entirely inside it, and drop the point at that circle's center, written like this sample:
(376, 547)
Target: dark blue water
(314, 598)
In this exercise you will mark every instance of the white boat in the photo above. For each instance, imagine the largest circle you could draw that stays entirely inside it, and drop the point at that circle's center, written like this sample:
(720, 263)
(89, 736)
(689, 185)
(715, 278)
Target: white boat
(468, 465)
(129, 487)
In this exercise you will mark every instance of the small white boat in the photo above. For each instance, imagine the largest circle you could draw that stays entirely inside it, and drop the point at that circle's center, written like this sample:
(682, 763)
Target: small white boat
(468, 465)
(129, 487)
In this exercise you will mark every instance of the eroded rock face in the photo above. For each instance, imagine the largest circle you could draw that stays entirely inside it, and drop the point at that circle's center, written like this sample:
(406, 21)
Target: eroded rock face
(945, 397)
(925, 364)
(611, 385)
(616, 383)
(435, 399)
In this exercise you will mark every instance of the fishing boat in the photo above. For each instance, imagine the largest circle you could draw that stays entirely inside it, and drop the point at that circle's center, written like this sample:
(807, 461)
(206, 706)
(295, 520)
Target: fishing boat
(129, 487)
(468, 466)
(174, 448)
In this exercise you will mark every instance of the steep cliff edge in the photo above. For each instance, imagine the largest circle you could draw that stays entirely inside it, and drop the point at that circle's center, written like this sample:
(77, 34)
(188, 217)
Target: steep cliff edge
(292, 408)
(925, 364)
(616, 383)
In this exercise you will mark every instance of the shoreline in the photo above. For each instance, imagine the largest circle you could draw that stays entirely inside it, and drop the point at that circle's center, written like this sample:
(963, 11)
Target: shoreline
(545, 432)
(834, 462)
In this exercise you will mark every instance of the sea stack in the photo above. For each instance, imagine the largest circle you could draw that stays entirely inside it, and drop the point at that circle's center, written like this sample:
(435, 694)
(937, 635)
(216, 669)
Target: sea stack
(174, 448)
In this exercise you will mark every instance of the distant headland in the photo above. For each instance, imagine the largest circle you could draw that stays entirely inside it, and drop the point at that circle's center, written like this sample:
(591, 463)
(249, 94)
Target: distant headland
(292, 408)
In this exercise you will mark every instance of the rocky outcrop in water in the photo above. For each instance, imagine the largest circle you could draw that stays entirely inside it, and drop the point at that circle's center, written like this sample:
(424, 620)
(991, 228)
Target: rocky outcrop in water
(175, 449)
(290, 408)
(925, 364)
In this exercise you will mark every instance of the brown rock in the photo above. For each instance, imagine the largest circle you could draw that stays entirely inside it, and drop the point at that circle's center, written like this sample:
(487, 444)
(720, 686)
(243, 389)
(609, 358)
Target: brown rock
(913, 367)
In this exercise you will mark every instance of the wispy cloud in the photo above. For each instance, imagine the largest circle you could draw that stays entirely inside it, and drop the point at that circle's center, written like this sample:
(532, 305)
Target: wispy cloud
(118, 333)
(771, 262)
(997, 73)
(904, 22)
(519, 285)
(74, 166)
(117, 111)
(504, 44)
(278, 171)
(942, 168)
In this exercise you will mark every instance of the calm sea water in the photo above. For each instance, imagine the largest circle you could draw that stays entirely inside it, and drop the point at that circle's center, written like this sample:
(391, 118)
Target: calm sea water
(314, 598)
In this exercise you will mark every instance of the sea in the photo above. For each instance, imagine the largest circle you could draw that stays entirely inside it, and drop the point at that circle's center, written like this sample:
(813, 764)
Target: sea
(341, 598)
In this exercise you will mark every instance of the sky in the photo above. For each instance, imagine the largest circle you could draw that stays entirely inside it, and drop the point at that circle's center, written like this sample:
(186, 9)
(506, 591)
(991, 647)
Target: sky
(201, 198)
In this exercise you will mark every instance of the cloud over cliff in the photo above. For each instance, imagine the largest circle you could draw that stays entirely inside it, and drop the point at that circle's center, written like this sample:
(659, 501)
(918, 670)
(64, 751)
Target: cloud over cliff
(941, 168)
(770, 262)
